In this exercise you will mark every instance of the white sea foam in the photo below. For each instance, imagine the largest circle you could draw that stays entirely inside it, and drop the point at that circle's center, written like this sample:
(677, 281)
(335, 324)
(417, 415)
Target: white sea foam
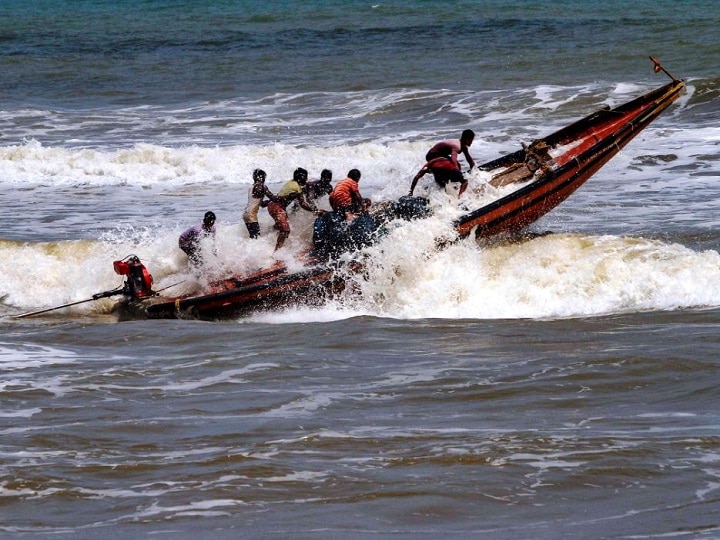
(215, 507)
(383, 163)
(555, 276)
(561, 275)
(552, 276)
(229, 377)
(14, 357)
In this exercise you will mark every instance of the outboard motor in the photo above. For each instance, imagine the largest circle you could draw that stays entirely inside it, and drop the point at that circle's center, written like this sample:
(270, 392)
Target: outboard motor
(138, 282)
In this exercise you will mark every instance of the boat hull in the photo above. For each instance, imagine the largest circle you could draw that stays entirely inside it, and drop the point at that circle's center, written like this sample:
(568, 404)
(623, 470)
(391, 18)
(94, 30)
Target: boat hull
(270, 289)
(601, 136)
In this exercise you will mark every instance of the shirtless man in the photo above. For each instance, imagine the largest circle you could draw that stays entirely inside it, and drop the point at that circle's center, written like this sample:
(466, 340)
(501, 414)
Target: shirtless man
(451, 148)
(256, 195)
(318, 188)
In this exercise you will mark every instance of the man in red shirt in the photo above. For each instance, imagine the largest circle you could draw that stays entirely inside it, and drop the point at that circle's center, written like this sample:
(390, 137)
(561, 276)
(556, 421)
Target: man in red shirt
(451, 148)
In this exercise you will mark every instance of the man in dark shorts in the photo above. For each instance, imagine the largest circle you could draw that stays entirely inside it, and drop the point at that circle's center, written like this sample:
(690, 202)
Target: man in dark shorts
(444, 171)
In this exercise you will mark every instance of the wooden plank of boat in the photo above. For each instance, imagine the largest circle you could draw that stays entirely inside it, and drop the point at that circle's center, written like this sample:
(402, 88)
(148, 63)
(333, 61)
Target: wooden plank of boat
(234, 282)
(281, 289)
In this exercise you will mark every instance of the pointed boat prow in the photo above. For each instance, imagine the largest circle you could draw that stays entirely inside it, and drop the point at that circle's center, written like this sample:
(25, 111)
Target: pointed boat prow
(556, 165)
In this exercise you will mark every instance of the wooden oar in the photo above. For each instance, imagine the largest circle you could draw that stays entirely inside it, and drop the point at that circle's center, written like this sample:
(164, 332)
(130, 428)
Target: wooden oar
(97, 296)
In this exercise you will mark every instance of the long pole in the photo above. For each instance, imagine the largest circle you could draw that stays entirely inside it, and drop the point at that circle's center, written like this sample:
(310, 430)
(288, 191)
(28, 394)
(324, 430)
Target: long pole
(97, 296)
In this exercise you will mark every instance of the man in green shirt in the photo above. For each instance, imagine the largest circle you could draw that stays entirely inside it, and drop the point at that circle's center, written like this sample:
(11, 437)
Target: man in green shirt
(291, 191)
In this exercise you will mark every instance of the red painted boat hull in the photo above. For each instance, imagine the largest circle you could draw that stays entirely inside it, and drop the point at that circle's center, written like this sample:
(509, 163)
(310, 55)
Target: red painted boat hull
(266, 290)
(598, 138)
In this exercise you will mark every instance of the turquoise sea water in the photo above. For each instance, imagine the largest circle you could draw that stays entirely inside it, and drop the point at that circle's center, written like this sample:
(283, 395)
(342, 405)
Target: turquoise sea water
(131, 52)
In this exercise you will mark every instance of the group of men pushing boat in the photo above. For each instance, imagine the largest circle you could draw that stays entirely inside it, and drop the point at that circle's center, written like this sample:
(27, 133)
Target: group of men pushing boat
(580, 150)
(344, 198)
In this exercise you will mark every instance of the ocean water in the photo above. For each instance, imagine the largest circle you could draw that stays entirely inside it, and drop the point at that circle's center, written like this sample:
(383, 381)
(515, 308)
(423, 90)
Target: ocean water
(563, 385)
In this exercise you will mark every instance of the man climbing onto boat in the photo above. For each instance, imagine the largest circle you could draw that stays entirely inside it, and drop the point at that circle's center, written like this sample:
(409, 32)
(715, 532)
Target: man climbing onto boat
(256, 196)
(291, 191)
(346, 198)
(190, 241)
(451, 148)
(444, 171)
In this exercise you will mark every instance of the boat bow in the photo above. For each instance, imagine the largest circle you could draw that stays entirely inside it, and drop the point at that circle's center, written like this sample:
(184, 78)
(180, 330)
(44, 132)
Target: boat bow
(580, 149)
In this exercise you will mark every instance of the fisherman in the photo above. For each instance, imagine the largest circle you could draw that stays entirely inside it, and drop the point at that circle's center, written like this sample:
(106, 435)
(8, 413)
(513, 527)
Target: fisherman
(190, 240)
(346, 198)
(256, 196)
(444, 171)
(291, 191)
(318, 188)
(451, 148)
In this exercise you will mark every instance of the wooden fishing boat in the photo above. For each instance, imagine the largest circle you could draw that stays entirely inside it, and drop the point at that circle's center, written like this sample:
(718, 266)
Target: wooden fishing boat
(553, 167)
(547, 172)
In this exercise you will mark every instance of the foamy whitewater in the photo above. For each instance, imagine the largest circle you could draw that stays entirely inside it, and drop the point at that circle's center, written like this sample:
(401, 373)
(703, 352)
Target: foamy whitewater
(145, 194)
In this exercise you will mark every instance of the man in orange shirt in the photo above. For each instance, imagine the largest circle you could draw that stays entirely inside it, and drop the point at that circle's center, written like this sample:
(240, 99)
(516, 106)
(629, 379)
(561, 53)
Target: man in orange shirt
(346, 197)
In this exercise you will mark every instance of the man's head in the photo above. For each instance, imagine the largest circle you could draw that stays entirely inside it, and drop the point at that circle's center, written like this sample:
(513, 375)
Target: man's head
(259, 175)
(326, 176)
(467, 137)
(300, 175)
(354, 174)
(208, 220)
